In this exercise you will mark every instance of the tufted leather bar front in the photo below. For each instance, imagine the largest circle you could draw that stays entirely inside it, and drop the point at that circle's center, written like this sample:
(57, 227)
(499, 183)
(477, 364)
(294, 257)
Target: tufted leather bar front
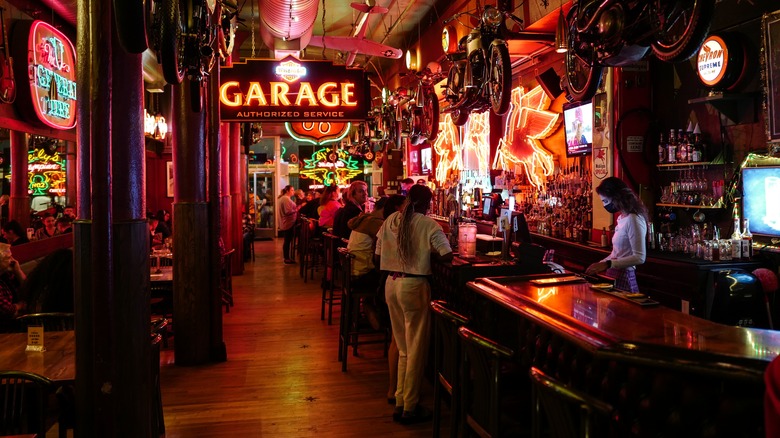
(665, 373)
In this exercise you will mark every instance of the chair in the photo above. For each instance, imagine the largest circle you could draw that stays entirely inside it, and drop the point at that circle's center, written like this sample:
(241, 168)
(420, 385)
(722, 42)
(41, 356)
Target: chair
(49, 321)
(161, 299)
(158, 420)
(486, 389)
(312, 252)
(226, 279)
(569, 413)
(23, 398)
(352, 326)
(329, 286)
(446, 323)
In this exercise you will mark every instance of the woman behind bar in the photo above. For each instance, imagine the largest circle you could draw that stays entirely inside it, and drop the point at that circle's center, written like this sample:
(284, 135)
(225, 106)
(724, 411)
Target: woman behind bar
(629, 239)
(405, 243)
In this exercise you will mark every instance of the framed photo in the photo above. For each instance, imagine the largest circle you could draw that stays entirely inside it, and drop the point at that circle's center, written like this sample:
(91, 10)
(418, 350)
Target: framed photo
(770, 25)
(169, 177)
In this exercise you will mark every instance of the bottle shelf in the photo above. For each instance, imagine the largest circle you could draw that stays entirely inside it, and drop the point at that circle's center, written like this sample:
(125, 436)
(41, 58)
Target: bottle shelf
(676, 166)
(708, 207)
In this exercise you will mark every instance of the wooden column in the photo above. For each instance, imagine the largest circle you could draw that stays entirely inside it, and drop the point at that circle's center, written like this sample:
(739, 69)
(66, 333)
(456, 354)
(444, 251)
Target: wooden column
(19, 205)
(235, 193)
(133, 386)
(224, 185)
(192, 279)
(218, 351)
(97, 407)
(71, 174)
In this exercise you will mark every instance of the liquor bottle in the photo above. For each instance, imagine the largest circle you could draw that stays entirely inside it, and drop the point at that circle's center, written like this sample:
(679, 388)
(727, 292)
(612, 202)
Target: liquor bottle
(604, 237)
(671, 150)
(661, 149)
(696, 150)
(736, 241)
(682, 147)
(747, 240)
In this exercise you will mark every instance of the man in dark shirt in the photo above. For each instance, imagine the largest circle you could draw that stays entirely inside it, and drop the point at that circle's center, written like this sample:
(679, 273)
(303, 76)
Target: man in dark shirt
(357, 194)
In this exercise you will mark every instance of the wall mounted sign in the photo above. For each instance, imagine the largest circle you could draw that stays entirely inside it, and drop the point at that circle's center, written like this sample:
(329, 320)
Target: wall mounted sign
(318, 133)
(330, 167)
(278, 91)
(48, 62)
(46, 173)
(721, 61)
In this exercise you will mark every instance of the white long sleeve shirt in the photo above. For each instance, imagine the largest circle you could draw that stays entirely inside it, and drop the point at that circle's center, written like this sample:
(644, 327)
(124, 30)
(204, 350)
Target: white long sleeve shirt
(427, 236)
(629, 242)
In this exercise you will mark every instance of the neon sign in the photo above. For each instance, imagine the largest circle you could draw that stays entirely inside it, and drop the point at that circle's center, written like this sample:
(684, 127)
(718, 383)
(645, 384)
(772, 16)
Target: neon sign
(447, 147)
(477, 140)
(318, 133)
(528, 122)
(45, 173)
(51, 69)
(330, 167)
(269, 90)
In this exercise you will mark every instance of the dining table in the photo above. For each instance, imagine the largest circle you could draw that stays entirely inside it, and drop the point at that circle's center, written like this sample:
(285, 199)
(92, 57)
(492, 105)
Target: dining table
(57, 362)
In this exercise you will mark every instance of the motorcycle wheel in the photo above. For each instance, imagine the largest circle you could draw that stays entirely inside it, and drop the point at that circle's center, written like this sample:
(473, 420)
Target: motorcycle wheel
(583, 73)
(430, 116)
(683, 35)
(453, 94)
(500, 79)
(130, 21)
(172, 42)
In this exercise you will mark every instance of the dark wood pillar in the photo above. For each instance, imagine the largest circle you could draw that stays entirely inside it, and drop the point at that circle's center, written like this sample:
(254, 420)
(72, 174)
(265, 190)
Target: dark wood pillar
(96, 401)
(235, 192)
(19, 205)
(218, 351)
(192, 279)
(130, 307)
(224, 185)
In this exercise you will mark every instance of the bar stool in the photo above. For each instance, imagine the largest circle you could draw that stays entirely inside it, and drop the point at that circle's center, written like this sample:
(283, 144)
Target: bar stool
(352, 327)
(303, 242)
(313, 251)
(331, 244)
(486, 389)
(446, 323)
(226, 279)
(568, 412)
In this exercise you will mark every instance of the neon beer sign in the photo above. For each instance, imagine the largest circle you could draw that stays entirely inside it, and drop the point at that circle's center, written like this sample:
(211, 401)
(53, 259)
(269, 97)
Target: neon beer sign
(277, 91)
(45, 173)
(51, 71)
(330, 167)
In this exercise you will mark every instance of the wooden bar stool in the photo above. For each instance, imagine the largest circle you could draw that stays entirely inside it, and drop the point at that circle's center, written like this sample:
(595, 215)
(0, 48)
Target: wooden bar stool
(331, 285)
(446, 323)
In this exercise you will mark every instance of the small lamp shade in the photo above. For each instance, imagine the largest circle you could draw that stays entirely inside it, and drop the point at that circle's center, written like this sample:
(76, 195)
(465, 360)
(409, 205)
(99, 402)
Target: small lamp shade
(561, 34)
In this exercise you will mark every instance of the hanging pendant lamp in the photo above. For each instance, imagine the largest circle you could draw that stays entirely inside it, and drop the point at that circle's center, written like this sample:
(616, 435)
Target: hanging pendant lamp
(561, 33)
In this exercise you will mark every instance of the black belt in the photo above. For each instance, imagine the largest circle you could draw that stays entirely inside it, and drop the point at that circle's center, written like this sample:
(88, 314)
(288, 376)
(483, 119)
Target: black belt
(395, 275)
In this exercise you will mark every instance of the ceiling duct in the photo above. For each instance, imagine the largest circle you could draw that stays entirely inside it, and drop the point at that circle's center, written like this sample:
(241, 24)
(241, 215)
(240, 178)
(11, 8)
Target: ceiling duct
(286, 25)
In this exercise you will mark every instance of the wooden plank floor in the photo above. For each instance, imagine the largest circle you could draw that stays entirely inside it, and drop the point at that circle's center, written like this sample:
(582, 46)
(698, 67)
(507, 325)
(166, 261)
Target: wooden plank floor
(282, 377)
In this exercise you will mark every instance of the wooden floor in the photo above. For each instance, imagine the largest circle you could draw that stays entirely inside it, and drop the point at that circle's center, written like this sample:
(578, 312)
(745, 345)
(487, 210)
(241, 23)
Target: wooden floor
(282, 377)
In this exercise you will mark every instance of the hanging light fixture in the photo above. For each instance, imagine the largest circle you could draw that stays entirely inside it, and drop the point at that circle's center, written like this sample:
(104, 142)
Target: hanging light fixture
(561, 33)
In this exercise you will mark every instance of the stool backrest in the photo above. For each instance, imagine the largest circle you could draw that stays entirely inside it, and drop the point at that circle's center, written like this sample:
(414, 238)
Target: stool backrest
(446, 343)
(23, 398)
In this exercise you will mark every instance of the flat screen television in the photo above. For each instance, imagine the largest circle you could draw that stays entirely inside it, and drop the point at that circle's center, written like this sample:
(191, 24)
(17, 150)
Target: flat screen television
(578, 125)
(761, 199)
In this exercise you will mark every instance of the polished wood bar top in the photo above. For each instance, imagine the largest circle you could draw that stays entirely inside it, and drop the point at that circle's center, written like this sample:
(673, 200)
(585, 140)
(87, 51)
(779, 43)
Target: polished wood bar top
(605, 322)
(57, 363)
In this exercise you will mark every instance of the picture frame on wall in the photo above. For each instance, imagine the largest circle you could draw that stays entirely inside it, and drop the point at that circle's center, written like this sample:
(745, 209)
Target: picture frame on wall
(169, 178)
(770, 27)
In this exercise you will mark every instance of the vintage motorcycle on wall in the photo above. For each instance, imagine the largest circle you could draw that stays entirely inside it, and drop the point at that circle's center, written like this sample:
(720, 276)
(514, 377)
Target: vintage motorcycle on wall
(481, 73)
(420, 107)
(612, 33)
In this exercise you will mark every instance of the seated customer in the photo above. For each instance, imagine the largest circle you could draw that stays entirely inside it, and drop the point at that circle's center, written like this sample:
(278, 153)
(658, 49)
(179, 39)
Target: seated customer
(64, 225)
(49, 228)
(14, 234)
(11, 276)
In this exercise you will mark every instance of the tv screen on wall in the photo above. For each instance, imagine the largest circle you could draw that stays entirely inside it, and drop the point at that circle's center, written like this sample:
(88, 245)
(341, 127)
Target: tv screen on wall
(760, 199)
(578, 124)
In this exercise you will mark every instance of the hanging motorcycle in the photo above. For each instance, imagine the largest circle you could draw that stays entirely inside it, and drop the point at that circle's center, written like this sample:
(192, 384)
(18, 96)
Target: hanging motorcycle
(481, 73)
(420, 114)
(186, 36)
(612, 33)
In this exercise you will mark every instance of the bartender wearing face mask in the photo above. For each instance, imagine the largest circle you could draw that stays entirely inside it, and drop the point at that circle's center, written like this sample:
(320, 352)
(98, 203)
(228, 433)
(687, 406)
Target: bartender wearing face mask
(628, 241)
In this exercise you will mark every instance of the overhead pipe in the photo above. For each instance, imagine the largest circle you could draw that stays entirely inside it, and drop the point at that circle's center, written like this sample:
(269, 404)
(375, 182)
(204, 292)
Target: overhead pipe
(286, 26)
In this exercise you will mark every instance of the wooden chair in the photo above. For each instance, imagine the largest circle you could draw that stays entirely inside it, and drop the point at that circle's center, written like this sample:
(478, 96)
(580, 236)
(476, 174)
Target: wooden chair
(333, 284)
(483, 387)
(158, 420)
(312, 252)
(352, 327)
(49, 321)
(446, 323)
(569, 413)
(23, 399)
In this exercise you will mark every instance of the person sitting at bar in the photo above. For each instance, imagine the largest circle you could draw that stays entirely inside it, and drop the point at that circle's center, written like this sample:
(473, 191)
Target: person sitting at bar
(329, 205)
(11, 276)
(155, 238)
(404, 245)
(49, 228)
(64, 224)
(406, 184)
(629, 239)
(14, 234)
(163, 223)
(312, 204)
(357, 194)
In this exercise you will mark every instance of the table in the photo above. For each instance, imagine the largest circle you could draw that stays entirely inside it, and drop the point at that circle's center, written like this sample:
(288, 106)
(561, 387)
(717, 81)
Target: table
(164, 276)
(57, 363)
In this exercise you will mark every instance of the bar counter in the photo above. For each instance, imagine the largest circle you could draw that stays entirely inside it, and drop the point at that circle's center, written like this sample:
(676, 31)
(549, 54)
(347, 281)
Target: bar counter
(664, 372)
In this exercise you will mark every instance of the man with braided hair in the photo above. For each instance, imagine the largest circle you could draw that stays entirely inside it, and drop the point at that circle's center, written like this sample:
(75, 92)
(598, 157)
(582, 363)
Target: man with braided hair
(404, 245)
